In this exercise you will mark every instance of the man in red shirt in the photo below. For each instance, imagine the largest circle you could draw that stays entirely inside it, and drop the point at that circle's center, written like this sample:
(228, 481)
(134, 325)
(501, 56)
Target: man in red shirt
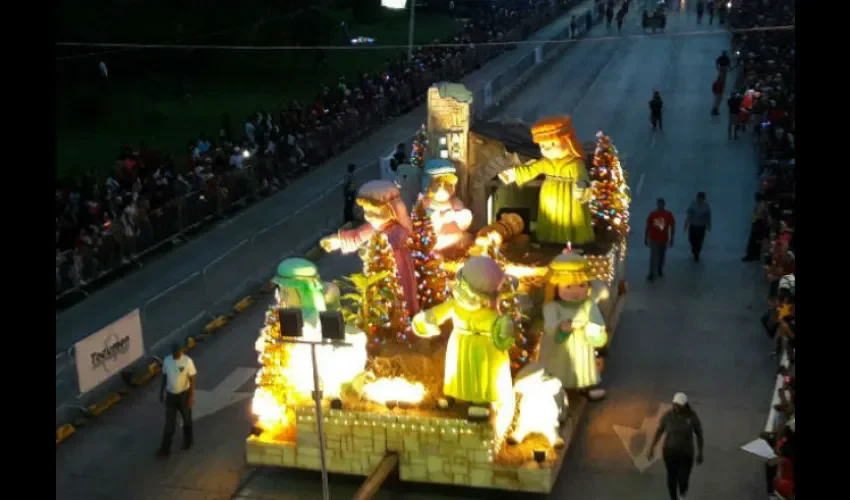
(660, 226)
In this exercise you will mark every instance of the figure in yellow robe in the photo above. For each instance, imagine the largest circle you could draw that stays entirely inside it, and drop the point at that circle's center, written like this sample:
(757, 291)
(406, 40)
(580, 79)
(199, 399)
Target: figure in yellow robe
(563, 214)
(477, 366)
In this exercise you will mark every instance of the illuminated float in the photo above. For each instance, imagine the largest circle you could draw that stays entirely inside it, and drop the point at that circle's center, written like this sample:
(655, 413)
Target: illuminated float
(457, 332)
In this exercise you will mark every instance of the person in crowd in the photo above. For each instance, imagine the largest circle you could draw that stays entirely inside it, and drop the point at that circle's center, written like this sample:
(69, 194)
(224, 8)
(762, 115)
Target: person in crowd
(178, 393)
(734, 106)
(621, 16)
(759, 229)
(711, 9)
(573, 27)
(656, 109)
(609, 16)
(700, 11)
(679, 426)
(660, 228)
(697, 223)
(295, 138)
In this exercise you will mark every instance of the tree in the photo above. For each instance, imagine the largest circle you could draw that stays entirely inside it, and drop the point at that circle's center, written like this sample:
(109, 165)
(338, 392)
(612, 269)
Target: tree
(420, 146)
(383, 311)
(609, 206)
(432, 281)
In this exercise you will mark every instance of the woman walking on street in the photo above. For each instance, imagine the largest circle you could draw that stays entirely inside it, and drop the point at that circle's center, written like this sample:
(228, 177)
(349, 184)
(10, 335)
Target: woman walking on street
(680, 425)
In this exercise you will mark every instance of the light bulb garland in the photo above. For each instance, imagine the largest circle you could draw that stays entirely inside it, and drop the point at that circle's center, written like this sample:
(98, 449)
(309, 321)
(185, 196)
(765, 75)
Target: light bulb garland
(420, 146)
(432, 280)
(609, 206)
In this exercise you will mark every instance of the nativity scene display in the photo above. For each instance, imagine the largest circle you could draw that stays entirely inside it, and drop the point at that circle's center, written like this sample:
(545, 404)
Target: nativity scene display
(476, 332)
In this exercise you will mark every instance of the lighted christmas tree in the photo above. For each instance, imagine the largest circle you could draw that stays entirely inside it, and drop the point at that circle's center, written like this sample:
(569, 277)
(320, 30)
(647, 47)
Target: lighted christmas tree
(432, 280)
(420, 146)
(610, 203)
(384, 310)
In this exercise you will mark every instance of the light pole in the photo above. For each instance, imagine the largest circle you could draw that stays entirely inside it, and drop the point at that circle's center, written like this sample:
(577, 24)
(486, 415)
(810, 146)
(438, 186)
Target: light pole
(399, 5)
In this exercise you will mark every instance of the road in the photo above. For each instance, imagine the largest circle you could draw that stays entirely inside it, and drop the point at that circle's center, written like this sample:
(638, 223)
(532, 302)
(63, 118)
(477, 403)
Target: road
(696, 330)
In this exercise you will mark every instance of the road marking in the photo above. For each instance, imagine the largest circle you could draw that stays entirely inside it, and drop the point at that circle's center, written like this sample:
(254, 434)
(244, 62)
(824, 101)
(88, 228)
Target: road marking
(224, 395)
(640, 185)
(647, 430)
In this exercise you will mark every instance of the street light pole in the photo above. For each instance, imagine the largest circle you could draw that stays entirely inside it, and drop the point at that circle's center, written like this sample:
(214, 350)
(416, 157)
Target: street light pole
(410, 29)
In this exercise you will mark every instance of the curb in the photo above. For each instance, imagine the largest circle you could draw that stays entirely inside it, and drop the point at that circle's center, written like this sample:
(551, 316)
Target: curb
(143, 376)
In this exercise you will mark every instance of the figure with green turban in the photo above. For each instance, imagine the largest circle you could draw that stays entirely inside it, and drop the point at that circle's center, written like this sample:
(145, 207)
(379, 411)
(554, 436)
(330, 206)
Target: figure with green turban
(299, 286)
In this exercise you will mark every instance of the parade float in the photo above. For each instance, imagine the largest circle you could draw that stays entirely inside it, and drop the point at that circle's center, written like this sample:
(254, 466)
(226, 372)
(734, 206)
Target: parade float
(470, 344)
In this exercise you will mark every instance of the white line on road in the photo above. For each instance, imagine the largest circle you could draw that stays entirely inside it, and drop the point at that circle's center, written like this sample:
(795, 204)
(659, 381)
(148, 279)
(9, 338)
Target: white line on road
(640, 185)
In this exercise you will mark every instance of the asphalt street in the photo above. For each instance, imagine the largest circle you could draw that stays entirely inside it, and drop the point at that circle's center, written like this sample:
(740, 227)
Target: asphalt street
(696, 330)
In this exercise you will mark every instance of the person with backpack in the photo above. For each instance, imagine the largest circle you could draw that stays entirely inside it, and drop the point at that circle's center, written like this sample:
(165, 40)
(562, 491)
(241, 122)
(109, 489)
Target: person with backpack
(679, 425)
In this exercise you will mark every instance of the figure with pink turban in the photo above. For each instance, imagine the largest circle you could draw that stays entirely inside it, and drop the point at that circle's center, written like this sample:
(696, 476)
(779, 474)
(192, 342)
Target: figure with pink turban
(385, 214)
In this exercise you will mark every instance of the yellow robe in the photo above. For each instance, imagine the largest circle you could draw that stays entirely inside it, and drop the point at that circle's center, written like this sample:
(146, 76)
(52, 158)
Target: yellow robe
(478, 368)
(563, 216)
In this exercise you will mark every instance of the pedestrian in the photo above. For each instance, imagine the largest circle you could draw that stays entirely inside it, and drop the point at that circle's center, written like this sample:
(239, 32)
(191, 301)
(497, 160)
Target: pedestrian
(588, 21)
(350, 192)
(178, 394)
(710, 8)
(656, 107)
(700, 11)
(660, 227)
(573, 27)
(734, 105)
(621, 15)
(609, 16)
(680, 425)
(717, 92)
(697, 223)
(723, 63)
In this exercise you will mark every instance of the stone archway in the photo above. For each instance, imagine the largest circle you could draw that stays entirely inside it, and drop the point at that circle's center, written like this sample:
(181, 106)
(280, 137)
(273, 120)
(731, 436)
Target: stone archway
(488, 159)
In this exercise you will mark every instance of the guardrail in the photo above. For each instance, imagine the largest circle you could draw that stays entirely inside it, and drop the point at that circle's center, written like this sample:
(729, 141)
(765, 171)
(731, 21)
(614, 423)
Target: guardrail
(184, 308)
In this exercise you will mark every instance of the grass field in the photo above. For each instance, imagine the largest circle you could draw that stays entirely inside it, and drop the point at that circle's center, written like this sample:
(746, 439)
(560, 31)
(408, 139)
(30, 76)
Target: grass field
(146, 109)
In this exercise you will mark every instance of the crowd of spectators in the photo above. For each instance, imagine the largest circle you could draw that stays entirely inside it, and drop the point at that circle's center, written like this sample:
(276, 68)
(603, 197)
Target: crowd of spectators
(148, 199)
(766, 63)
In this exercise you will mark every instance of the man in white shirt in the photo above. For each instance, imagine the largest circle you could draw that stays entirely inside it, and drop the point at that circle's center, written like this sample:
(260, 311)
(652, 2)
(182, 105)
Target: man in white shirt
(178, 393)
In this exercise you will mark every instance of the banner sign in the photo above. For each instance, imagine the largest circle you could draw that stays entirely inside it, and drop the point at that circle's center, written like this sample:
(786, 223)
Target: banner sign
(105, 353)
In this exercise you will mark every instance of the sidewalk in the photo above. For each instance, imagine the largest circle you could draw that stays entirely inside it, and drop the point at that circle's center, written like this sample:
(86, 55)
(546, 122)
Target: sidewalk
(118, 299)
